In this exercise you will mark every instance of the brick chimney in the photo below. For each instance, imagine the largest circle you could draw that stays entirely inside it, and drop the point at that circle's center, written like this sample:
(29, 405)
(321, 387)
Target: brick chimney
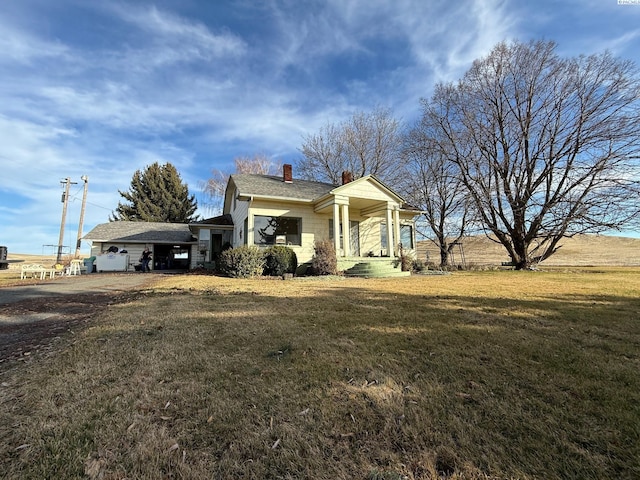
(347, 177)
(287, 173)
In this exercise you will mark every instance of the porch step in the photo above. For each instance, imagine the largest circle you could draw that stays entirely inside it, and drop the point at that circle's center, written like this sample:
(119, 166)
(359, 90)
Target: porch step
(375, 269)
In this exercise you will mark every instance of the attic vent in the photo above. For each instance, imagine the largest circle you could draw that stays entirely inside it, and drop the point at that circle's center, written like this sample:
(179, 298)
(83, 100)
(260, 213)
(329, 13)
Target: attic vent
(287, 173)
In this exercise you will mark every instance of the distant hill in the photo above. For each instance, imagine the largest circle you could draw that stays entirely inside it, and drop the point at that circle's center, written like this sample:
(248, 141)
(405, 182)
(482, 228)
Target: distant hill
(581, 250)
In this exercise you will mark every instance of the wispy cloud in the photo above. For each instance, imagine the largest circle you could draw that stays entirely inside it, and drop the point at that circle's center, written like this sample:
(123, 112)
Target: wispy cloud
(24, 48)
(192, 38)
(622, 43)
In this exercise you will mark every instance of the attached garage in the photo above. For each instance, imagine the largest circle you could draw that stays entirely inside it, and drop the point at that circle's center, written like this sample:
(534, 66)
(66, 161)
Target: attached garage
(173, 246)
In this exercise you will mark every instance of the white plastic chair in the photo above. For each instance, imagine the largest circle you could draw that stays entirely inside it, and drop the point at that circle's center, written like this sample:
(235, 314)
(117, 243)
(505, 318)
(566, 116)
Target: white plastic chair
(74, 267)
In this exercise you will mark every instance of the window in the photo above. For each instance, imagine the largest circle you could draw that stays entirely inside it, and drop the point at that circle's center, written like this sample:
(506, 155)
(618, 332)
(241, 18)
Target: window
(331, 231)
(179, 253)
(277, 230)
(406, 235)
(383, 235)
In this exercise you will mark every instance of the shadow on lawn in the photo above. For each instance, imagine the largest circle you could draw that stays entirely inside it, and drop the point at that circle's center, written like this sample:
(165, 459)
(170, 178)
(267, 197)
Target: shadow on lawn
(348, 379)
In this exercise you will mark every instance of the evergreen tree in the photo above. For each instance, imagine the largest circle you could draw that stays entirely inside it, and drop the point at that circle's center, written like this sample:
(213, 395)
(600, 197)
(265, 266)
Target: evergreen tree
(157, 194)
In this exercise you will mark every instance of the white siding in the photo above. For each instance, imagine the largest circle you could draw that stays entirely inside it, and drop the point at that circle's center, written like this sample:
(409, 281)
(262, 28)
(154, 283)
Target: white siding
(238, 215)
(194, 255)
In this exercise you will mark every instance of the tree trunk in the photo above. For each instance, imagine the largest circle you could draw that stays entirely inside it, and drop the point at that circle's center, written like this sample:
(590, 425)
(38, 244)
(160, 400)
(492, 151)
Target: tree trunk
(520, 255)
(444, 257)
(522, 265)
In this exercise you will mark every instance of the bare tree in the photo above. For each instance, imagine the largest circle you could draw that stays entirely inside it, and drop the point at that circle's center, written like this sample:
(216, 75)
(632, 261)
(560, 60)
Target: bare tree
(214, 188)
(435, 186)
(367, 143)
(546, 146)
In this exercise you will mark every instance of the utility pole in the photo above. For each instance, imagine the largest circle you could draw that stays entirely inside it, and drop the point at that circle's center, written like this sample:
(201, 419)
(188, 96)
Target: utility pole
(65, 200)
(84, 203)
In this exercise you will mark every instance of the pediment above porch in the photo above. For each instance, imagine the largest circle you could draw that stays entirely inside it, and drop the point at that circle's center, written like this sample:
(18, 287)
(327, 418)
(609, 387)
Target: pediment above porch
(366, 194)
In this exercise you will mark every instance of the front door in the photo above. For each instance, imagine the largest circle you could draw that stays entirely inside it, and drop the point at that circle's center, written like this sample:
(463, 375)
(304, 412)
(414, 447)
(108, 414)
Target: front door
(216, 245)
(354, 237)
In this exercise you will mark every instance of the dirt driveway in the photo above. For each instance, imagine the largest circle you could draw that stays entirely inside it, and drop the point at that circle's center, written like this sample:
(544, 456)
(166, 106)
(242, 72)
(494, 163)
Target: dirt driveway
(34, 317)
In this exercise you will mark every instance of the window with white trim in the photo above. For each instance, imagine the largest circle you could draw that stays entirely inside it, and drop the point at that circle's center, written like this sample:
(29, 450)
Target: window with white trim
(277, 230)
(406, 235)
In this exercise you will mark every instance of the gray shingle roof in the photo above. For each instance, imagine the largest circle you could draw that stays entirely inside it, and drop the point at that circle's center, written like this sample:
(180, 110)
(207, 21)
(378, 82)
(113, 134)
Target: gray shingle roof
(141, 232)
(225, 219)
(273, 186)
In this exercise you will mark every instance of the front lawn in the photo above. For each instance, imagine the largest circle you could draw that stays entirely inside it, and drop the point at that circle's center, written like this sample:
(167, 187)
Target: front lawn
(471, 375)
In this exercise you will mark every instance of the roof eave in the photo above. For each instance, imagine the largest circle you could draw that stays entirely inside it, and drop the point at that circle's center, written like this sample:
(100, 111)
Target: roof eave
(271, 198)
(209, 225)
(125, 240)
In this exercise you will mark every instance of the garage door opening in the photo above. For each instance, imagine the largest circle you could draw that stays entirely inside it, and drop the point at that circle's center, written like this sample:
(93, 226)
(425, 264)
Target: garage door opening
(171, 257)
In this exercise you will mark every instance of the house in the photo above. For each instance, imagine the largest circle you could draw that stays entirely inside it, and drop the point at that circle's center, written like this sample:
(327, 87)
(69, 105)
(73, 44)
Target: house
(265, 210)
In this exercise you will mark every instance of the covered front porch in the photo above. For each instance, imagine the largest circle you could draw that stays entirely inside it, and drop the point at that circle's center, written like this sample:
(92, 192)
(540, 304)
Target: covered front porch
(379, 222)
(369, 229)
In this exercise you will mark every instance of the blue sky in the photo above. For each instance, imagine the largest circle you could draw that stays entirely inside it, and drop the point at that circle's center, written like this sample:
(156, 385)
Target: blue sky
(105, 88)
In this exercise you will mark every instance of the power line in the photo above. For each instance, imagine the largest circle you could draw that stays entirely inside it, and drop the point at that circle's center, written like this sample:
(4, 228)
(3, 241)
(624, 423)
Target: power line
(99, 206)
(77, 197)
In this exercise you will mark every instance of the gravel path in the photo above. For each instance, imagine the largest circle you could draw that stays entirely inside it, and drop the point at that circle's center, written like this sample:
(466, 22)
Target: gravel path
(74, 285)
(35, 317)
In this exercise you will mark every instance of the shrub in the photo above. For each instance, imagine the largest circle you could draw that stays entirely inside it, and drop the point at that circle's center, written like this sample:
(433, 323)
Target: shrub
(242, 262)
(324, 261)
(279, 260)
(418, 265)
(406, 262)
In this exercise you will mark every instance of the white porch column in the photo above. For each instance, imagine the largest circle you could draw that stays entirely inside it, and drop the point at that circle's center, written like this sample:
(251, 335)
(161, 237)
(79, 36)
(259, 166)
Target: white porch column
(346, 231)
(390, 241)
(396, 230)
(336, 228)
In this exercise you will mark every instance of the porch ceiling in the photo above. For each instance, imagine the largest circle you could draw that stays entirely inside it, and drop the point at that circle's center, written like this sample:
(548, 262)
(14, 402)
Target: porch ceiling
(367, 206)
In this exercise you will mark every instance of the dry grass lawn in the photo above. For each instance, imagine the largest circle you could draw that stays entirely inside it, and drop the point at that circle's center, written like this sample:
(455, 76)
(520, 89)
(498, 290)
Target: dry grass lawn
(471, 375)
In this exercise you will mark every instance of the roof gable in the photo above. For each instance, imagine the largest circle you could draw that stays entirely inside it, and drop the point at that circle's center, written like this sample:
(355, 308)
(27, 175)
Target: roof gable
(367, 187)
